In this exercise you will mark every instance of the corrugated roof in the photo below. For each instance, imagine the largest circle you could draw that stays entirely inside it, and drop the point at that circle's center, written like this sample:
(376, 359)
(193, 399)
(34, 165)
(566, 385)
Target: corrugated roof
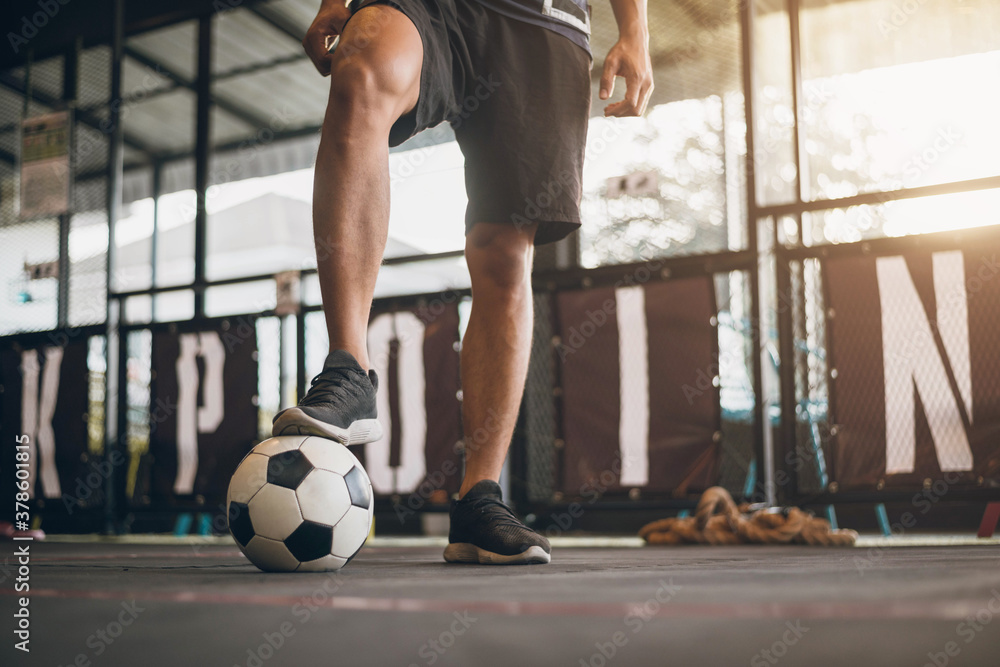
(241, 38)
(263, 81)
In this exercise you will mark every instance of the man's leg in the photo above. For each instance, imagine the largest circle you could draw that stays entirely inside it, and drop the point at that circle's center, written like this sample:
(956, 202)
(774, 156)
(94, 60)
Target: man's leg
(496, 346)
(495, 354)
(374, 79)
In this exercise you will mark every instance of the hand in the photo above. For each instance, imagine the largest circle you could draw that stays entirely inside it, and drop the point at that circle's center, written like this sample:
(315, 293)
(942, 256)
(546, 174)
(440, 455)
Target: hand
(628, 58)
(327, 25)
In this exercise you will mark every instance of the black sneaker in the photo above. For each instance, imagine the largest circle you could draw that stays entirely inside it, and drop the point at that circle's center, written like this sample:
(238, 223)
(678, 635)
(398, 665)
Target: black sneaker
(339, 405)
(484, 530)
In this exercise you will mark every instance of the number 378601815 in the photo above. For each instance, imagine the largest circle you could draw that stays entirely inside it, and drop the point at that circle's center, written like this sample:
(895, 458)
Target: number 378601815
(22, 472)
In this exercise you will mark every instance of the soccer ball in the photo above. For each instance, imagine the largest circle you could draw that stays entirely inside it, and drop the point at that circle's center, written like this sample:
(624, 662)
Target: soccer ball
(300, 503)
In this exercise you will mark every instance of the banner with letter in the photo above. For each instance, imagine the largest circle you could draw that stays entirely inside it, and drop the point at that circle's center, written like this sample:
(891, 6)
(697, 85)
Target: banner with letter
(631, 358)
(415, 354)
(916, 392)
(45, 399)
(203, 412)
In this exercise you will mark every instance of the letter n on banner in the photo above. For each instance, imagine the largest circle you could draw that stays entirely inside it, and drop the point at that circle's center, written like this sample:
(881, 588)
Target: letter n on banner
(913, 341)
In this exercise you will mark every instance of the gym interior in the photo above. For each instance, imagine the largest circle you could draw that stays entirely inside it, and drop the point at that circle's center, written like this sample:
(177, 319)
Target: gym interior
(761, 421)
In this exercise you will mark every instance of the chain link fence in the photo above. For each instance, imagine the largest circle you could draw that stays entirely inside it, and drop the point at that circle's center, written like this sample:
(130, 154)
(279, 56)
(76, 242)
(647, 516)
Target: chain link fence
(812, 424)
(29, 299)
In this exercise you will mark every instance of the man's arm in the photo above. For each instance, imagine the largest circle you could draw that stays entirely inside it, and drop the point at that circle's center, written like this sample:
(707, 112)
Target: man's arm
(629, 58)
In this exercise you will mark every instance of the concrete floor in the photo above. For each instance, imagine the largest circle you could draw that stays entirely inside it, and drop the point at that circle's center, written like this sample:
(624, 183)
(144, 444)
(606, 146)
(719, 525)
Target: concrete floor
(150, 605)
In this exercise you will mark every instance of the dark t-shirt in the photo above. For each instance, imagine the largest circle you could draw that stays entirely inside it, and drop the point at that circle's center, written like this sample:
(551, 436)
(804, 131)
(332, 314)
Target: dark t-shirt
(569, 18)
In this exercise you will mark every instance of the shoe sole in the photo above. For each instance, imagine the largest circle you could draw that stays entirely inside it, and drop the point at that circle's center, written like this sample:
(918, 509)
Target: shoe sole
(296, 422)
(462, 552)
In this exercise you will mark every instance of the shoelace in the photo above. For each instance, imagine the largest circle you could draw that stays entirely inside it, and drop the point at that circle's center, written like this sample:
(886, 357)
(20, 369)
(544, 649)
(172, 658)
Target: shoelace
(499, 511)
(326, 386)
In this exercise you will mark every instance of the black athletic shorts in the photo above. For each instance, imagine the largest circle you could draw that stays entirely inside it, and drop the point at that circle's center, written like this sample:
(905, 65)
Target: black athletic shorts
(518, 97)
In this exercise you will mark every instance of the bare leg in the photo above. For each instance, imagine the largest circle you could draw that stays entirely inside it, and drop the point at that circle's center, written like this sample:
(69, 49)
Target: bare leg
(374, 79)
(497, 344)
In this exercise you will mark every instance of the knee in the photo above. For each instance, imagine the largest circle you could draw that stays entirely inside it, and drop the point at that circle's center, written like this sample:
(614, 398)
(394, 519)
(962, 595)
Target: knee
(358, 91)
(499, 259)
(375, 72)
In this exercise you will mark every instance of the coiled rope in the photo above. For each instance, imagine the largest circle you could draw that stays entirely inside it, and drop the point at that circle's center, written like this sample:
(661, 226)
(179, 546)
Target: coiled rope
(719, 520)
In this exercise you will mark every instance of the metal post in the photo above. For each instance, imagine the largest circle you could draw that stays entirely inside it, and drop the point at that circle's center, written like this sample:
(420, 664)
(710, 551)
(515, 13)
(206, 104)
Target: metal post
(201, 159)
(786, 367)
(29, 60)
(783, 270)
(801, 167)
(154, 238)
(114, 393)
(300, 354)
(757, 330)
(71, 70)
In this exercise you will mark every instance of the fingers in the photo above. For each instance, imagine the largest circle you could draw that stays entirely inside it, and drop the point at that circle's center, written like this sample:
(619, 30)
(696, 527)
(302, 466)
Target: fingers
(615, 110)
(608, 77)
(647, 94)
(632, 90)
(638, 90)
(629, 60)
(315, 47)
(624, 108)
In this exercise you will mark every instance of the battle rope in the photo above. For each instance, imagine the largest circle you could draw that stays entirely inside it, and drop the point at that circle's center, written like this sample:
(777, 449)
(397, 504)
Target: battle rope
(718, 520)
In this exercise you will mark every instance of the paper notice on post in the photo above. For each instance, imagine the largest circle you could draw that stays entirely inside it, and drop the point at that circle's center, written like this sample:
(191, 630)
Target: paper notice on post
(45, 165)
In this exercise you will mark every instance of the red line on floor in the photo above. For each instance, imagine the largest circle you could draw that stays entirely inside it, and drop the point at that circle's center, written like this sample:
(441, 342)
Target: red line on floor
(150, 554)
(937, 610)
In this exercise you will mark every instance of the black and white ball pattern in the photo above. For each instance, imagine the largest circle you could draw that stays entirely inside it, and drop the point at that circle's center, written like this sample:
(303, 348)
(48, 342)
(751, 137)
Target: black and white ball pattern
(300, 503)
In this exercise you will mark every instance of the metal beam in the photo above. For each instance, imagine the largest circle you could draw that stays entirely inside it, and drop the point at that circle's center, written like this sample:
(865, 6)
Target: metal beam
(245, 142)
(224, 103)
(89, 20)
(970, 238)
(261, 66)
(277, 20)
(876, 198)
